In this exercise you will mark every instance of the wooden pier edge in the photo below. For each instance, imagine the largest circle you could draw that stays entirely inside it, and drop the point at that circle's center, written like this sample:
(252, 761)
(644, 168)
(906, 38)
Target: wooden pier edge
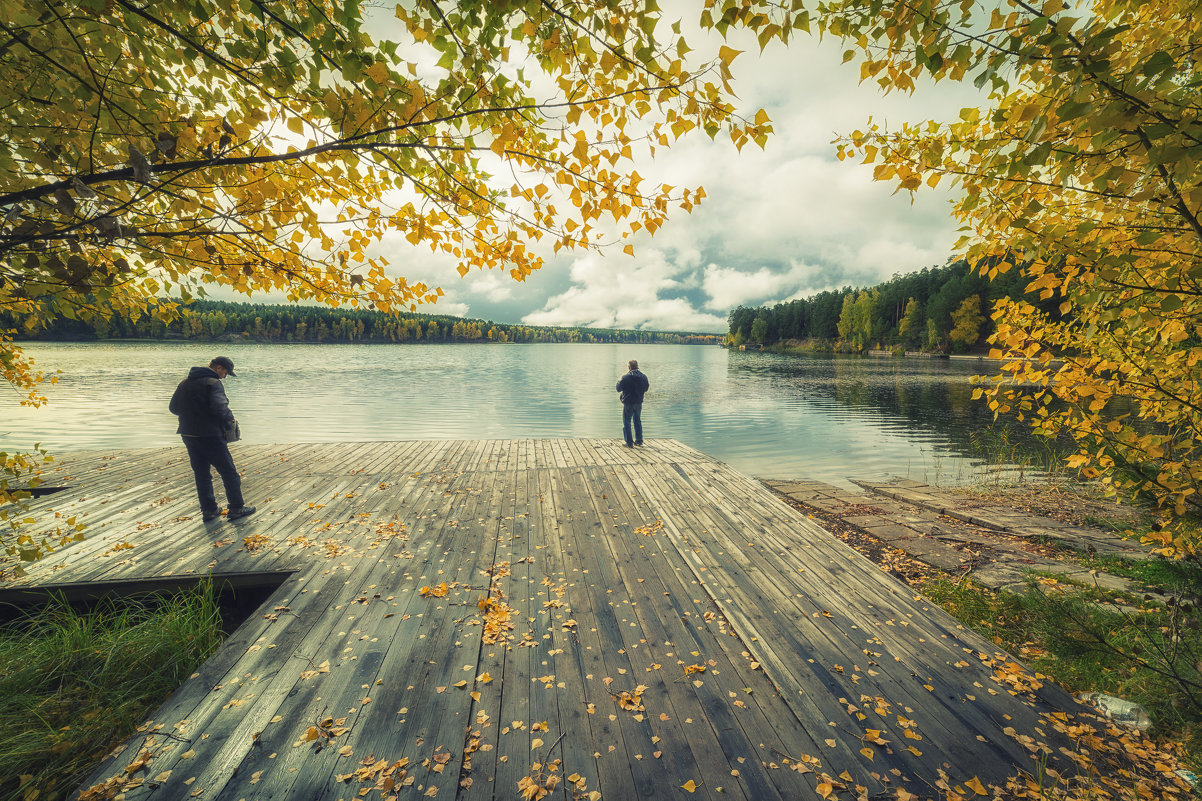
(474, 619)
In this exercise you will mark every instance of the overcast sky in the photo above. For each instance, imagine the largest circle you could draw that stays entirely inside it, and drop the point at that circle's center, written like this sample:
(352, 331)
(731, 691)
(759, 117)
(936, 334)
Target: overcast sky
(781, 223)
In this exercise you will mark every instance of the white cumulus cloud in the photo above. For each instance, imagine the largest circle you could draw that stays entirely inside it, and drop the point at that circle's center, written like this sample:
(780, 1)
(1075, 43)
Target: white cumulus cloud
(728, 287)
(625, 292)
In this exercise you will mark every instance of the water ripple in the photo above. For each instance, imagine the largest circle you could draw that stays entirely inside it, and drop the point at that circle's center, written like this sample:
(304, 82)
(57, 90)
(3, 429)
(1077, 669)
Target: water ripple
(764, 414)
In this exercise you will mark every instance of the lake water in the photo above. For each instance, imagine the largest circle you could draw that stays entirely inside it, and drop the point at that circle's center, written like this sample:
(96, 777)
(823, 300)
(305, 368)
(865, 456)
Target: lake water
(767, 415)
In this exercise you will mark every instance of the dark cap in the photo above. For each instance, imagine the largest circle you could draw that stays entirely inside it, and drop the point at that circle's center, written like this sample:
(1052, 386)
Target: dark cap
(227, 363)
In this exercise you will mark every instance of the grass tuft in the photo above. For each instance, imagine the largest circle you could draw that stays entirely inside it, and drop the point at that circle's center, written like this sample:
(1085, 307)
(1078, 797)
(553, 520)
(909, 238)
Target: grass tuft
(1173, 575)
(74, 685)
(1151, 656)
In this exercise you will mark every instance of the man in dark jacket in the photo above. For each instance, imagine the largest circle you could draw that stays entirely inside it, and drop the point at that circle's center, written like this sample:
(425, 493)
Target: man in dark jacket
(204, 412)
(632, 386)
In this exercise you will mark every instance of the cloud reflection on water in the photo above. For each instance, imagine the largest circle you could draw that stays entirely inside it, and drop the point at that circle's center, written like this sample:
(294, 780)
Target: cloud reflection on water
(766, 415)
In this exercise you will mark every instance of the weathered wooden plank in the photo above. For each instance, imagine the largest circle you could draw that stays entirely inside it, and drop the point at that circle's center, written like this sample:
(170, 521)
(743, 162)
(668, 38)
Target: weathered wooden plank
(483, 740)
(841, 640)
(728, 694)
(116, 519)
(752, 605)
(526, 702)
(445, 654)
(681, 738)
(335, 640)
(218, 726)
(596, 657)
(575, 689)
(728, 671)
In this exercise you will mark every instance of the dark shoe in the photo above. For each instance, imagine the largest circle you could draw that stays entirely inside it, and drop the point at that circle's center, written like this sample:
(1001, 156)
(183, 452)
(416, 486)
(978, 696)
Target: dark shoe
(628, 444)
(241, 511)
(638, 442)
(209, 517)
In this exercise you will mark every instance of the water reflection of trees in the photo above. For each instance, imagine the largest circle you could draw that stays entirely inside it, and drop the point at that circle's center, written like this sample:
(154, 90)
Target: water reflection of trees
(931, 396)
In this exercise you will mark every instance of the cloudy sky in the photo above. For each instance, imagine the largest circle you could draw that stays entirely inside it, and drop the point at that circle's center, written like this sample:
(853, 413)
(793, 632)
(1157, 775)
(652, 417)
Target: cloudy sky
(777, 224)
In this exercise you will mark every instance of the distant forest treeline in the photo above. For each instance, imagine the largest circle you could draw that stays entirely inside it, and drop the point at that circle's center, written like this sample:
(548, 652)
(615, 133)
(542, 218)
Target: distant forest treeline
(219, 320)
(936, 309)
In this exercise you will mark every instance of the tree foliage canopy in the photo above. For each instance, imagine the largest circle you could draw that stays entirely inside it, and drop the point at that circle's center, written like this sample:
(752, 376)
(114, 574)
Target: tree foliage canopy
(265, 145)
(147, 149)
(1082, 169)
(967, 319)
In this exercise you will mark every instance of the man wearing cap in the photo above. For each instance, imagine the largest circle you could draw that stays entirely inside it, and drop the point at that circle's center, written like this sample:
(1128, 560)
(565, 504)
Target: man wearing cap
(204, 412)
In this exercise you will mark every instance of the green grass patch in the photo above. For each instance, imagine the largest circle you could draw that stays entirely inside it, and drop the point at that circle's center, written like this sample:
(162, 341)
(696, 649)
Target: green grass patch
(1018, 460)
(1168, 575)
(74, 685)
(1086, 591)
(1120, 527)
(1152, 657)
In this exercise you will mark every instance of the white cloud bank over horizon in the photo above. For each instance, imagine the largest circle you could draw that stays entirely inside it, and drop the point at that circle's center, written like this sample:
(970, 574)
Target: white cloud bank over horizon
(785, 222)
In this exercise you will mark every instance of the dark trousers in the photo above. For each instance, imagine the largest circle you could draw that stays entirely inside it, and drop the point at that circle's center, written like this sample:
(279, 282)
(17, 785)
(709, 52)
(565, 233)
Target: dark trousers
(632, 413)
(212, 452)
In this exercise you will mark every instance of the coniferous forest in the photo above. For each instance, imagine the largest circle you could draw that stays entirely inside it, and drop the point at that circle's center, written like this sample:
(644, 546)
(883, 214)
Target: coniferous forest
(937, 309)
(223, 321)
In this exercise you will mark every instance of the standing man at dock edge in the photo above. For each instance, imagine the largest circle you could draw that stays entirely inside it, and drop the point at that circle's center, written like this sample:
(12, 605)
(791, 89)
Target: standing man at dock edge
(632, 386)
(204, 413)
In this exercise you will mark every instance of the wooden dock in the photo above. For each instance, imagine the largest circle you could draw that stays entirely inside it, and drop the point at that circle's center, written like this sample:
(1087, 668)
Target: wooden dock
(496, 619)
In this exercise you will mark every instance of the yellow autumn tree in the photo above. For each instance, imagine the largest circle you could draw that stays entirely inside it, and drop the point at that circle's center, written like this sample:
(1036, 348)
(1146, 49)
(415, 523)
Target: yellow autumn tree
(966, 322)
(1082, 168)
(148, 150)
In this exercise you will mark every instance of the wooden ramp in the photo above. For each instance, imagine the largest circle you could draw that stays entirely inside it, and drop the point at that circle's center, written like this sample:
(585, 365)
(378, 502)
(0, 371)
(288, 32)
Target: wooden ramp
(488, 619)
